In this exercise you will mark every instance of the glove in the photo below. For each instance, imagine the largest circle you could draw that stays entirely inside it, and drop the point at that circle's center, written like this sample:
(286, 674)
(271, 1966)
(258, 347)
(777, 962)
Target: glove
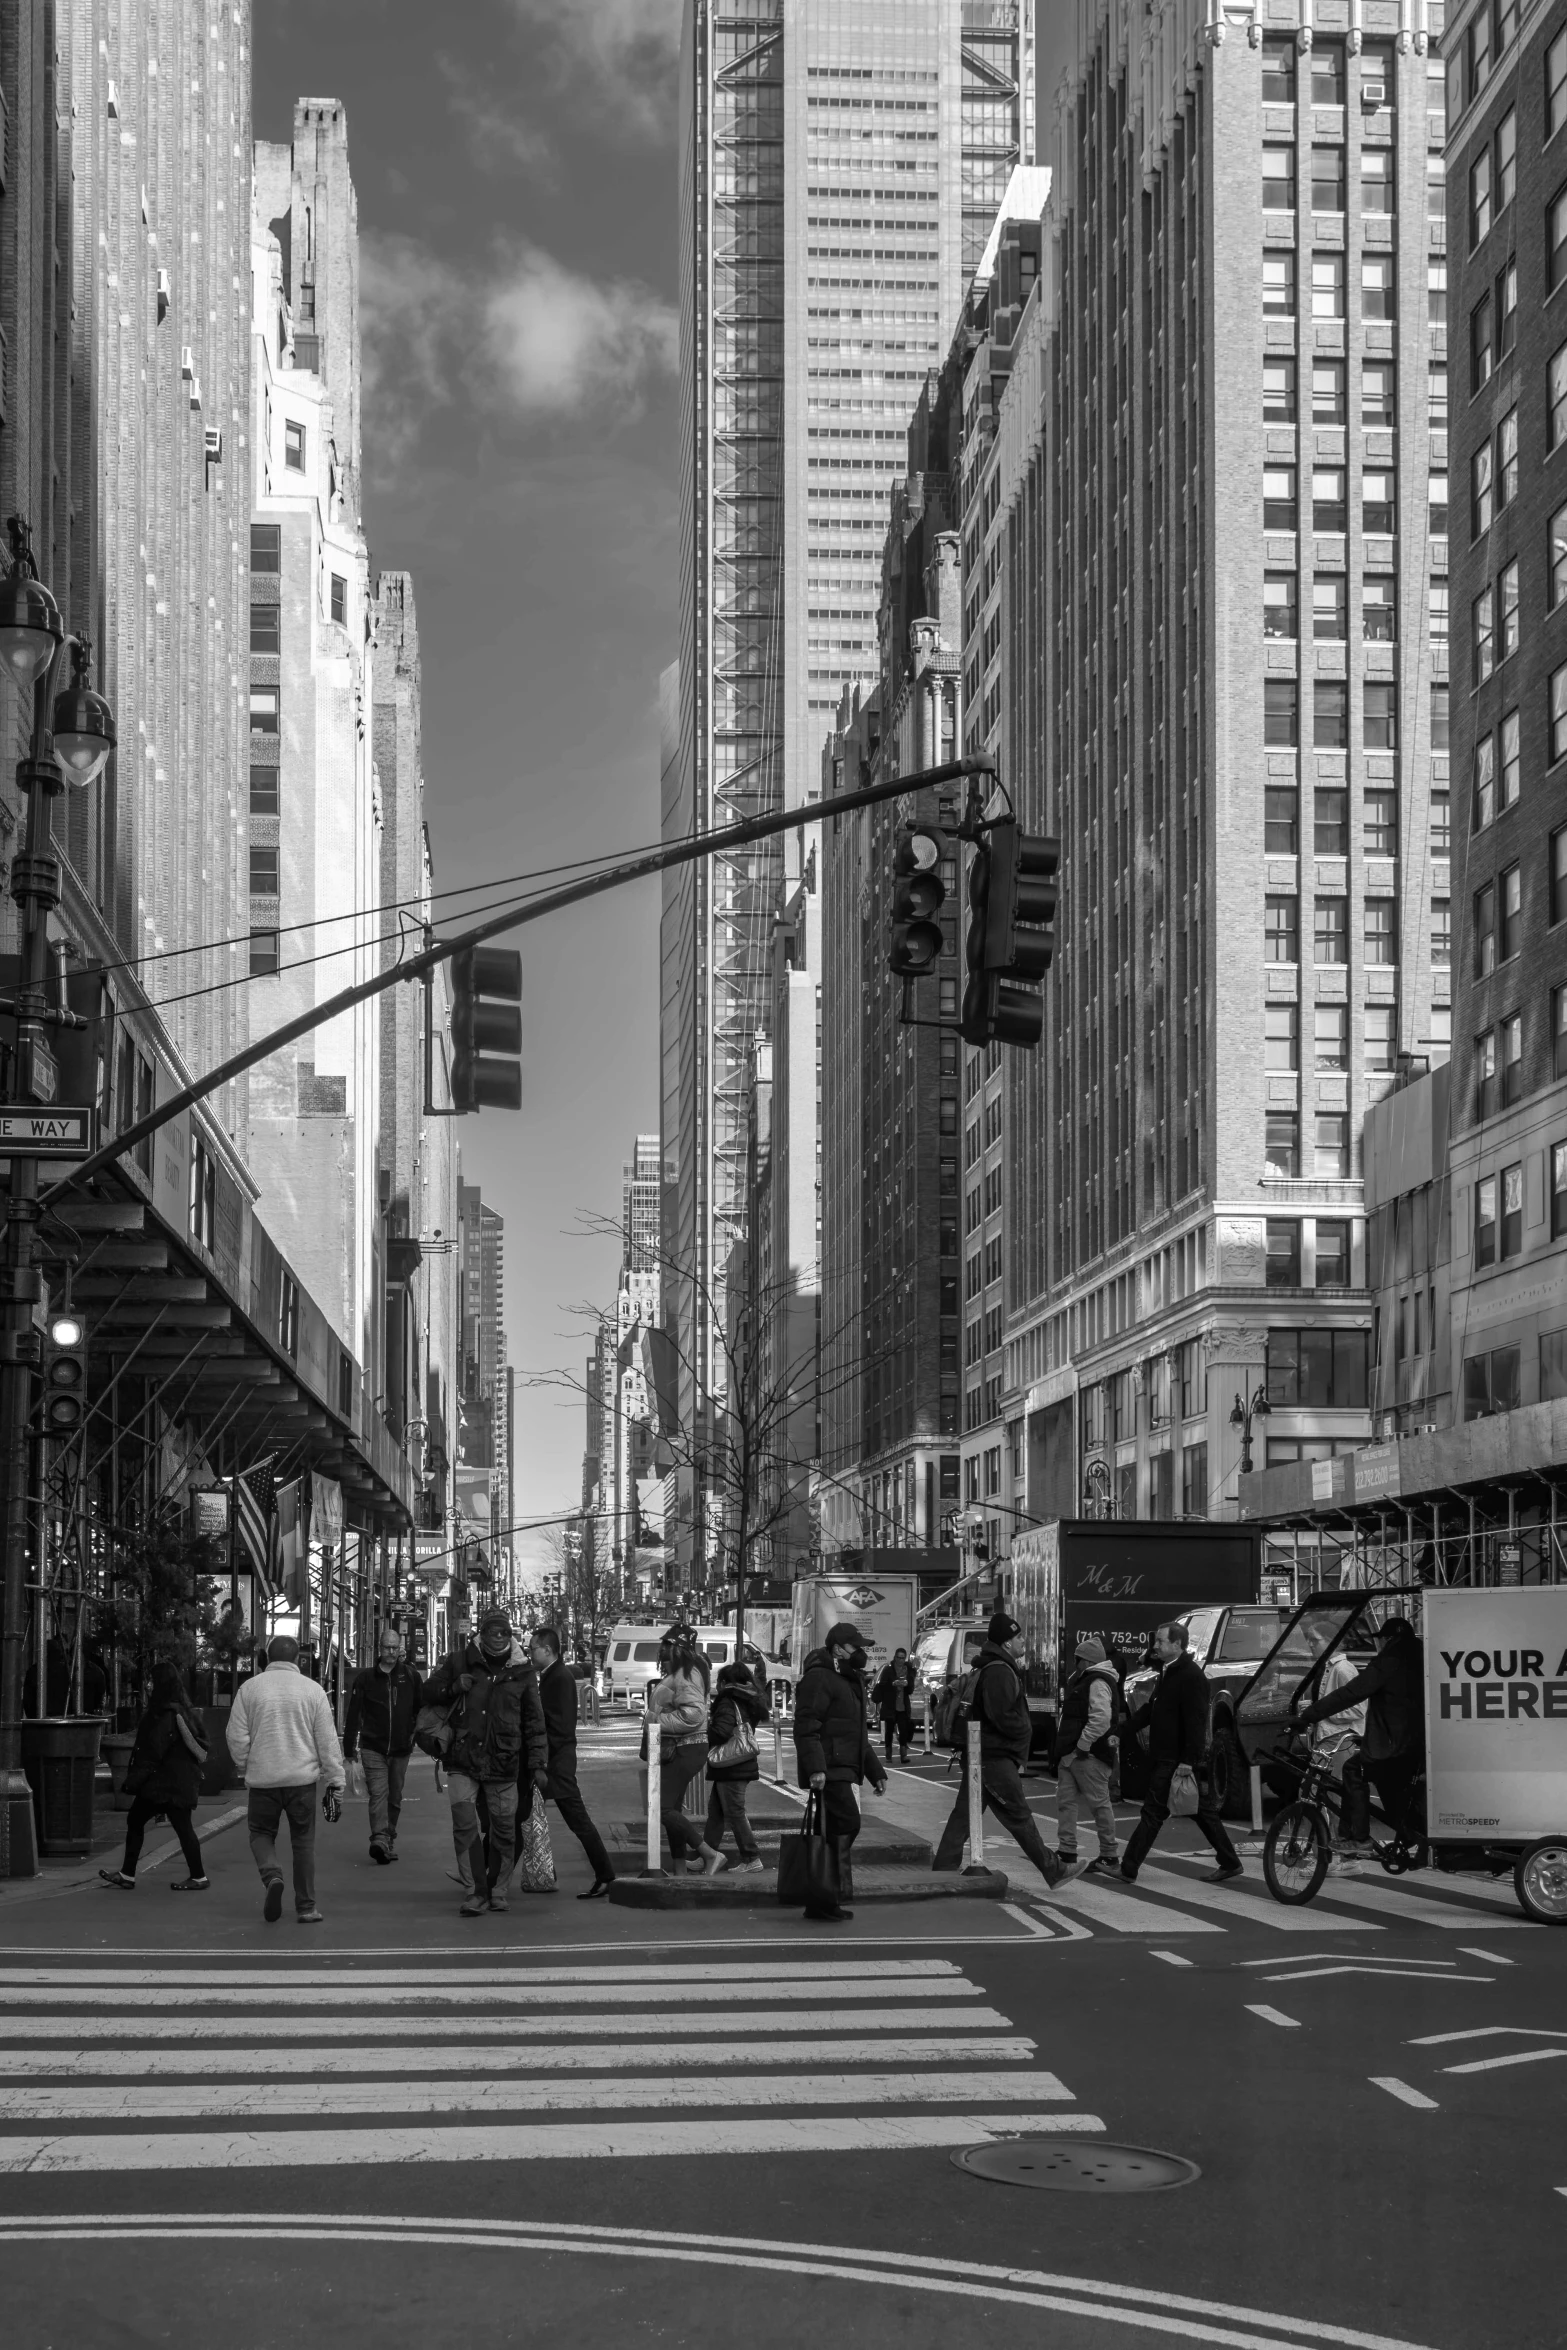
(541, 1780)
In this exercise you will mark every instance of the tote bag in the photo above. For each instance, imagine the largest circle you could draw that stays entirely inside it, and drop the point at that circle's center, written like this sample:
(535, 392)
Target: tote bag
(809, 1873)
(1183, 1793)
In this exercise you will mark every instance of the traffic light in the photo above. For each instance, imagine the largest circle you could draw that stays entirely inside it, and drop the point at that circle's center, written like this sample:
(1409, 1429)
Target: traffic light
(486, 1022)
(65, 1376)
(1012, 904)
(918, 895)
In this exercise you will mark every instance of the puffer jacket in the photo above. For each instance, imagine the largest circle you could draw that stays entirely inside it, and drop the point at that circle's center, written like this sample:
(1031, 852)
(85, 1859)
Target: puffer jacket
(737, 1700)
(162, 1769)
(499, 1732)
(829, 1726)
(1088, 1703)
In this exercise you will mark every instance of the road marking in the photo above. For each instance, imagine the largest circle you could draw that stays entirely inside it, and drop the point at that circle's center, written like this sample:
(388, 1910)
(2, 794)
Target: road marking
(1125, 1915)
(1495, 2064)
(1491, 1956)
(876, 1972)
(1041, 1933)
(1490, 2032)
(595, 2141)
(489, 2058)
(1319, 1974)
(1172, 1958)
(1409, 1909)
(1370, 1958)
(284, 1991)
(1403, 2092)
(1272, 2015)
(1070, 1929)
(366, 2023)
(1242, 1909)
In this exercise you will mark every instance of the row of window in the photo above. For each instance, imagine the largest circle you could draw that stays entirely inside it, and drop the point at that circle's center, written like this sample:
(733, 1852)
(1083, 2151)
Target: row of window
(1330, 607)
(1330, 821)
(1493, 475)
(1493, 177)
(1493, 327)
(1495, 625)
(1492, 1383)
(1330, 180)
(1284, 1253)
(266, 619)
(1175, 1386)
(1498, 1057)
(1330, 1037)
(1327, 78)
(1332, 1146)
(1330, 392)
(1329, 279)
(1329, 714)
(1329, 931)
(1330, 499)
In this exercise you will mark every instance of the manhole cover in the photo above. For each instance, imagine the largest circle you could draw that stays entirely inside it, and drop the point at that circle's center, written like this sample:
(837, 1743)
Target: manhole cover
(1090, 2168)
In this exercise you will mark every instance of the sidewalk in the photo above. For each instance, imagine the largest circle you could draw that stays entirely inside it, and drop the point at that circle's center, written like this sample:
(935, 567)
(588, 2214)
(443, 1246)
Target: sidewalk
(213, 1814)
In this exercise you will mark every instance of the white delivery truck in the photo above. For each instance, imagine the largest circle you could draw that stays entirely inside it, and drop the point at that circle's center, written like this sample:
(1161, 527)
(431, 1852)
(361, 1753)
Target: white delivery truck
(882, 1606)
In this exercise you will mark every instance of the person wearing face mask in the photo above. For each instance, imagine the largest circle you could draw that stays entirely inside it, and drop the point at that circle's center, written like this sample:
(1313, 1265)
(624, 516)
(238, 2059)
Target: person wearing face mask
(498, 1737)
(1176, 1715)
(832, 1745)
(382, 1705)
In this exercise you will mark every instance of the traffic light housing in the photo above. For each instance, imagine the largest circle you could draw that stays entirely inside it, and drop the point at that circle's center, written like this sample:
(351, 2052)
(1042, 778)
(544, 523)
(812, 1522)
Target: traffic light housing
(486, 1029)
(1010, 943)
(918, 895)
(65, 1376)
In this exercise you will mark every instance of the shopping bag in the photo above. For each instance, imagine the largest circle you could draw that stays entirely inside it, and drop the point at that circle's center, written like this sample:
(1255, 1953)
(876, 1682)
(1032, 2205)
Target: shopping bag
(1184, 1797)
(809, 1865)
(535, 1860)
(353, 1776)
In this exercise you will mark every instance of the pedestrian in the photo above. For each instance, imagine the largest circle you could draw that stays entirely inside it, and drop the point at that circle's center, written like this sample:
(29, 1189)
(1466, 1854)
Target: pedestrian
(498, 1738)
(1392, 1689)
(558, 1696)
(732, 1764)
(832, 1746)
(382, 1705)
(677, 1717)
(895, 1703)
(283, 1740)
(164, 1775)
(1176, 1715)
(1084, 1751)
(999, 1703)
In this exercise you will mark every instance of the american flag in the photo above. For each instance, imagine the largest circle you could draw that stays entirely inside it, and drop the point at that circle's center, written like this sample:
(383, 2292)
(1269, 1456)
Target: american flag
(255, 1522)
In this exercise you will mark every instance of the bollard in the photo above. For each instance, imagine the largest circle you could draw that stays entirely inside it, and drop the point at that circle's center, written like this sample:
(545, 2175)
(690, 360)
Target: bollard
(976, 1804)
(655, 1774)
(1256, 1799)
(930, 1707)
(778, 1777)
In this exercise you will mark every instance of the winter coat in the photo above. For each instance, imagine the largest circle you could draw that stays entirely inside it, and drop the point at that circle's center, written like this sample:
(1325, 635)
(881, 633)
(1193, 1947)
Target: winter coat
(1088, 1713)
(1176, 1713)
(498, 1733)
(892, 1704)
(1393, 1686)
(281, 1732)
(558, 1696)
(381, 1710)
(1000, 1706)
(678, 1704)
(829, 1726)
(162, 1770)
(736, 1701)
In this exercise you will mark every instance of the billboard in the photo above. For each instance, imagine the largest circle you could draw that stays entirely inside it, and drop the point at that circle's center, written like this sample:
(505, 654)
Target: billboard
(1496, 1713)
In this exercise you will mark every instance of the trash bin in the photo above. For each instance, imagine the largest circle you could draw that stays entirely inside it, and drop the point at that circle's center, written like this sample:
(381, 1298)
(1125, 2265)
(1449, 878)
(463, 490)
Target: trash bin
(60, 1758)
(116, 1751)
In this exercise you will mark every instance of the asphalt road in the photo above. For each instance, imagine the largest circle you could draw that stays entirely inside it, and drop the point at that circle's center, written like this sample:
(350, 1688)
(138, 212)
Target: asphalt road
(594, 2125)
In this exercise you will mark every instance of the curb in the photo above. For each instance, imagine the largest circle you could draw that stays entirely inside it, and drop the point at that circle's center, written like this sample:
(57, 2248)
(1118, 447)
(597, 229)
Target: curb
(870, 1885)
(43, 1886)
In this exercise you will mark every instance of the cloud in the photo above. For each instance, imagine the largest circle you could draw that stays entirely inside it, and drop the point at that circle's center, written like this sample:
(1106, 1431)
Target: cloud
(411, 314)
(560, 342)
(616, 56)
(499, 139)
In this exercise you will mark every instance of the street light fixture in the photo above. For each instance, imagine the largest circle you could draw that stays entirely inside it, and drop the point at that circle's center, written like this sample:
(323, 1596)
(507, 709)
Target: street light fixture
(84, 729)
(30, 629)
(1242, 1416)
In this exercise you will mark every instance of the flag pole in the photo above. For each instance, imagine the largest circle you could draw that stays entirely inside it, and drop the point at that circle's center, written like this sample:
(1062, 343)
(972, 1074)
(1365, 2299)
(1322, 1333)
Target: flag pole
(233, 1580)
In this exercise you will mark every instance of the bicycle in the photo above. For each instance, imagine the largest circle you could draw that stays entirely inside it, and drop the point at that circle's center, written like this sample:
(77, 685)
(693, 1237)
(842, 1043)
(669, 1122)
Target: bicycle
(1298, 1847)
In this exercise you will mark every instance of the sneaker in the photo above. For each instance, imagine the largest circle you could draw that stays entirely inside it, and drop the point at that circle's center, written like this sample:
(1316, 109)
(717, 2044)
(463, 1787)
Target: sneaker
(118, 1879)
(310, 1917)
(190, 1885)
(751, 1868)
(380, 1855)
(1225, 1874)
(714, 1864)
(828, 1917)
(498, 1900)
(475, 1906)
(1103, 1864)
(272, 1907)
(1128, 1876)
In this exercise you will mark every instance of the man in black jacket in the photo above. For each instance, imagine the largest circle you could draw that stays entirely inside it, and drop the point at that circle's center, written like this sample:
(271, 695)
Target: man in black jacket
(382, 1705)
(1177, 1719)
(1392, 1688)
(832, 1747)
(558, 1696)
(1000, 1706)
(498, 1736)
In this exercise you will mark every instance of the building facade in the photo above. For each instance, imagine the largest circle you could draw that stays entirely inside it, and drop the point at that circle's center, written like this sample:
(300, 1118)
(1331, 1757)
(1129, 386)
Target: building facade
(484, 1443)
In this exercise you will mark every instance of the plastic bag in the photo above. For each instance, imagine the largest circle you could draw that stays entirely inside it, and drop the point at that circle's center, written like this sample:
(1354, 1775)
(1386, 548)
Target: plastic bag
(1184, 1797)
(353, 1776)
(535, 1871)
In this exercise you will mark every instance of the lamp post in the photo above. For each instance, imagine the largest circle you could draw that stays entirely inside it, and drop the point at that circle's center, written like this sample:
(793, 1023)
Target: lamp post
(1242, 1416)
(72, 737)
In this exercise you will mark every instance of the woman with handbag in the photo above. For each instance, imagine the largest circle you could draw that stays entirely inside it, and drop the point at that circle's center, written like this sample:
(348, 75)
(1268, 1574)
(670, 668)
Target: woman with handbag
(677, 1717)
(732, 1763)
(164, 1775)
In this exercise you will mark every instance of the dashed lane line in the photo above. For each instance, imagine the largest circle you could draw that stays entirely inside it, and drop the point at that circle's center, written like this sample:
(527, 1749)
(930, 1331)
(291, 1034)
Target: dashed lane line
(1496, 2064)
(1403, 2092)
(1172, 1958)
(1274, 2015)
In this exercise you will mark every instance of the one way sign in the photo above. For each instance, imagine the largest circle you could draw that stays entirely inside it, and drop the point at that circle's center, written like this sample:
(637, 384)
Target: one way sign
(29, 1132)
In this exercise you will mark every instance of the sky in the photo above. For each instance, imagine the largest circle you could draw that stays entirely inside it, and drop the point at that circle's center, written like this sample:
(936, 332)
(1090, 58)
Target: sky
(514, 164)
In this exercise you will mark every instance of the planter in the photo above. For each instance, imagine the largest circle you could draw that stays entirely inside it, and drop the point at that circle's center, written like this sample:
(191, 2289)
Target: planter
(116, 1749)
(60, 1758)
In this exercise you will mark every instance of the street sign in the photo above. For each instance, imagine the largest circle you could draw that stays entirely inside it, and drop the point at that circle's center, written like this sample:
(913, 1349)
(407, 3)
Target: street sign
(28, 1132)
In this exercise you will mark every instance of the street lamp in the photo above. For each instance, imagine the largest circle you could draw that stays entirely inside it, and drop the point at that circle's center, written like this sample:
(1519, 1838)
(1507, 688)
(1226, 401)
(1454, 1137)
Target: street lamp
(1242, 1416)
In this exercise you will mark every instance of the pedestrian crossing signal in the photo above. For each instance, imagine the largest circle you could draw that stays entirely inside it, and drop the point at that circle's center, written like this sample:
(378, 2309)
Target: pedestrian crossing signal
(65, 1376)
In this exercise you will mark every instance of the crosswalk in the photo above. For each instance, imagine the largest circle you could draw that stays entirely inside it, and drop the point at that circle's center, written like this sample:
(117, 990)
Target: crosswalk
(1170, 1898)
(122, 2067)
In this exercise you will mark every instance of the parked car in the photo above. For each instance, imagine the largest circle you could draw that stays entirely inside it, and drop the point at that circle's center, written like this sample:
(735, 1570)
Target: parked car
(632, 1662)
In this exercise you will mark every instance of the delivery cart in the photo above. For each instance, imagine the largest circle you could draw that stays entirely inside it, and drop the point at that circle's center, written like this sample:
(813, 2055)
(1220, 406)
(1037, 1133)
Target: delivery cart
(1494, 1794)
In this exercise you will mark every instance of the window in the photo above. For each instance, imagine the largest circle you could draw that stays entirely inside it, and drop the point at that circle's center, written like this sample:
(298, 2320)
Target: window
(263, 791)
(1556, 557)
(1278, 70)
(1440, 718)
(1556, 239)
(1437, 613)
(1331, 1039)
(1376, 179)
(1379, 1036)
(1378, 286)
(1327, 73)
(1280, 616)
(1327, 286)
(1436, 188)
(1508, 585)
(339, 599)
(1281, 712)
(1194, 1480)
(1330, 822)
(1558, 1189)
(1436, 102)
(1482, 495)
(1278, 391)
(1556, 85)
(1507, 460)
(1485, 1075)
(1558, 713)
(1482, 354)
(1480, 196)
(1278, 285)
(1331, 1156)
(1512, 1211)
(1281, 1036)
(1332, 1254)
(1281, 930)
(1477, 45)
(1283, 1253)
(1381, 933)
(1328, 403)
(1330, 714)
(288, 1315)
(1436, 293)
(1329, 507)
(1280, 821)
(1556, 398)
(1506, 310)
(266, 546)
(1491, 1383)
(1377, 393)
(1510, 895)
(1436, 395)
(1512, 1060)
(1441, 933)
(1381, 823)
(1558, 876)
(264, 628)
(1436, 505)
(1378, 500)
(1329, 607)
(263, 709)
(1317, 1370)
(1378, 87)
(1330, 930)
(1485, 930)
(263, 954)
(1379, 608)
(203, 1194)
(263, 872)
(1327, 179)
(1441, 823)
(1282, 1145)
(1278, 179)
(1278, 497)
(1483, 807)
(1379, 715)
(294, 447)
(1509, 768)
(1482, 638)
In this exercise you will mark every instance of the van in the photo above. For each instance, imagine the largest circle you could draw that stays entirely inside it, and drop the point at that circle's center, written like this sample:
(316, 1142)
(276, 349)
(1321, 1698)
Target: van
(633, 1661)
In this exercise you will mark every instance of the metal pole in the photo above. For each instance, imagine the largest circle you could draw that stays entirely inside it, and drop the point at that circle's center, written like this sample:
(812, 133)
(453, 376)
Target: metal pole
(976, 1802)
(655, 1767)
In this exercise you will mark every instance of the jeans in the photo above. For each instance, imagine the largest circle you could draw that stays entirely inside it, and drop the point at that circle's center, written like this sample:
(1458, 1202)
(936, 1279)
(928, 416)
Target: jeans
(1394, 1780)
(901, 1727)
(1002, 1786)
(266, 1810)
(178, 1817)
(384, 1776)
(679, 1769)
(566, 1796)
(1086, 1776)
(1156, 1810)
(726, 1809)
(500, 1797)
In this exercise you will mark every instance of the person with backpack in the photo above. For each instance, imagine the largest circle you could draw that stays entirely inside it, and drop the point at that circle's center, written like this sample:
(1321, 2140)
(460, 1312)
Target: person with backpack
(998, 1701)
(732, 1763)
(1092, 1709)
(496, 1727)
(164, 1775)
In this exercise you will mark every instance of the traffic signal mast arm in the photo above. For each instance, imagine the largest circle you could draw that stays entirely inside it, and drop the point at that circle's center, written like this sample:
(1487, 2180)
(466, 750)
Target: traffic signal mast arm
(725, 840)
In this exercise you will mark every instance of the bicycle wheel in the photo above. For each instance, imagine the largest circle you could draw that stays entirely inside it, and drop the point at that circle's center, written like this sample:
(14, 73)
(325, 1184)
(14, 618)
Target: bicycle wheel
(1295, 1854)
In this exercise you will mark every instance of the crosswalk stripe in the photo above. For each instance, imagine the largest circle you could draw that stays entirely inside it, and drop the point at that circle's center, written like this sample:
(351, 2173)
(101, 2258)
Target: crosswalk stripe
(600, 2140)
(1407, 1908)
(1248, 1909)
(1123, 1914)
(283, 1991)
(365, 2023)
(887, 2047)
(875, 1972)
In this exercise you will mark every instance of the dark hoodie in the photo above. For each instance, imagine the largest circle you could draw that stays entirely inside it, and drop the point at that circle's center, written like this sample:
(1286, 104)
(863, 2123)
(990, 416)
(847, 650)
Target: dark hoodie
(733, 1702)
(829, 1725)
(1000, 1706)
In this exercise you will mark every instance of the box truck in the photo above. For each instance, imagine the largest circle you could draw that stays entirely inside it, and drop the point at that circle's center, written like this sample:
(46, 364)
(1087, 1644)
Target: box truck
(881, 1605)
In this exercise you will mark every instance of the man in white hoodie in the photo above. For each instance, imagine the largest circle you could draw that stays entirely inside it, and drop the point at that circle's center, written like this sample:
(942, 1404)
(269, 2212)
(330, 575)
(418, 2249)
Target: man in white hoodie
(283, 1740)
